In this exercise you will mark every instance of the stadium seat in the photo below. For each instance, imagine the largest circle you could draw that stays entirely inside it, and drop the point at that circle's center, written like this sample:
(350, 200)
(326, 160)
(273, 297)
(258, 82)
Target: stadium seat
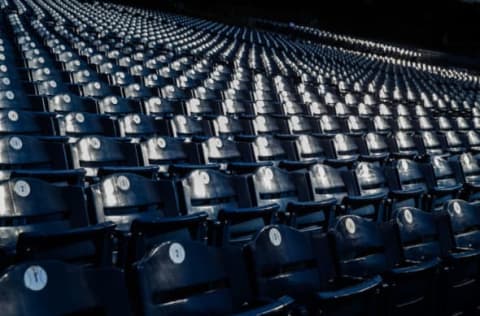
(198, 283)
(425, 236)
(123, 197)
(284, 260)
(31, 204)
(364, 249)
(27, 288)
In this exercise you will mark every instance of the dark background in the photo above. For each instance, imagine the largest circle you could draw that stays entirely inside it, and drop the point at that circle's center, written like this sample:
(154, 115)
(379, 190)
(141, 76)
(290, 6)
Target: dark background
(450, 26)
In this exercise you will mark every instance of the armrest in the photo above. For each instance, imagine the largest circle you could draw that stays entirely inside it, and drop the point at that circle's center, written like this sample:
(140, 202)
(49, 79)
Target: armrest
(416, 267)
(246, 167)
(310, 206)
(411, 262)
(185, 168)
(401, 194)
(472, 186)
(71, 176)
(296, 165)
(166, 224)
(349, 291)
(373, 158)
(147, 171)
(336, 163)
(460, 254)
(440, 190)
(247, 212)
(365, 199)
(281, 304)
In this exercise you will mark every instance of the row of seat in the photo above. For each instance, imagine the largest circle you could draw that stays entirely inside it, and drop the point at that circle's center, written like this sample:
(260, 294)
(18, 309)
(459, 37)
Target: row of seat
(142, 55)
(308, 197)
(358, 268)
(289, 151)
(158, 164)
(137, 125)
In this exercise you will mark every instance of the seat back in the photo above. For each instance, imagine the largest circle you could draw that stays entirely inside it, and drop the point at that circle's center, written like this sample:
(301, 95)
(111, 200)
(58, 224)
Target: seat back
(407, 175)
(465, 223)
(282, 261)
(418, 233)
(309, 147)
(359, 247)
(27, 289)
(163, 152)
(272, 185)
(344, 147)
(94, 152)
(444, 175)
(370, 179)
(29, 152)
(31, 204)
(326, 182)
(182, 278)
(470, 168)
(404, 144)
(262, 148)
(77, 124)
(123, 197)
(376, 144)
(208, 191)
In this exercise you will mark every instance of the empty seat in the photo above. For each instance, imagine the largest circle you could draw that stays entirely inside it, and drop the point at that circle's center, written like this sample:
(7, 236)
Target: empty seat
(78, 124)
(368, 191)
(408, 185)
(342, 150)
(138, 125)
(403, 145)
(425, 236)
(20, 122)
(214, 150)
(198, 283)
(123, 197)
(265, 185)
(364, 249)
(163, 152)
(261, 149)
(94, 153)
(32, 153)
(443, 182)
(35, 205)
(284, 260)
(468, 170)
(27, 288)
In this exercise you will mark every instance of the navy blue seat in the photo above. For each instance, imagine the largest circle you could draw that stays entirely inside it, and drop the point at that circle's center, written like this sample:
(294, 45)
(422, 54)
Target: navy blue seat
(223, 198)
(364, 249)
(164, 152)
(425, 236)
(443, 182)
(368, 191)
(26, 289)
(23, 152)
(264, 148)
(408, 186)
(468, 170)
(403, 145)
(190, 278)
(32, 204)
(265, 185)
(96, 154)
(22, 122)
(342, 151)
(283, 260)
(78, 124)
(123, 197)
